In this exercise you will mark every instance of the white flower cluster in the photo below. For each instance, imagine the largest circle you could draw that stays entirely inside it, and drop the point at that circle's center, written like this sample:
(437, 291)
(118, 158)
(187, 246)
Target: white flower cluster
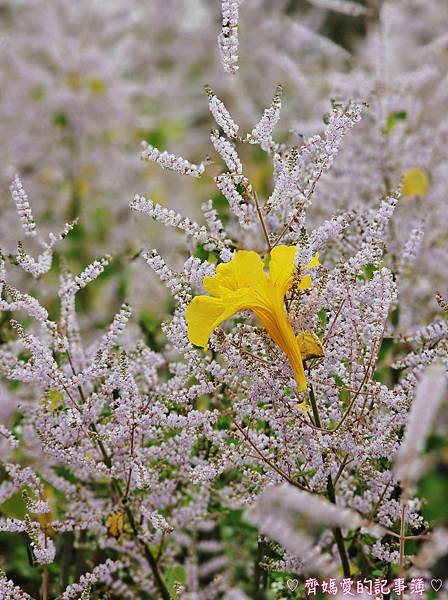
(228, 38)
(172, 162)
(20, 198)
(41, 265)
(91, 272)
(221, 115)
(9, 591)
(169, 217)
(262, 132)
(227, 152)
(240, 207)
(102, 573)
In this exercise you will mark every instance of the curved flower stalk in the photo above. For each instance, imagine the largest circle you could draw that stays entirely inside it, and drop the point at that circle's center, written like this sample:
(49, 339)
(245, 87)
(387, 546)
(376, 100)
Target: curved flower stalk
(242, 284)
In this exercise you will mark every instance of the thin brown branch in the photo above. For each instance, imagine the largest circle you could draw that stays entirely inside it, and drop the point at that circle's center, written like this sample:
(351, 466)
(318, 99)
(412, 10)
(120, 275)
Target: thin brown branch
(264, 458)
(262, 221)
(402, 541)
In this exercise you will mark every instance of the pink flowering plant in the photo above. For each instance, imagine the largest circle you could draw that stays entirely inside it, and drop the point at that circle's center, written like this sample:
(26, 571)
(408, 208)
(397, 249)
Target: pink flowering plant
(270, 430)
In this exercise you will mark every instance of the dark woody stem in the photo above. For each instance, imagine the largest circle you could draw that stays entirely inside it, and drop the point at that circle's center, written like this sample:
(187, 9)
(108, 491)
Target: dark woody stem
(337, 533)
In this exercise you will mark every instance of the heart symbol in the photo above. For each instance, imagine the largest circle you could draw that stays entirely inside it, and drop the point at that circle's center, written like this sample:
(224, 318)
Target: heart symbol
(436, 584)
(293, 583)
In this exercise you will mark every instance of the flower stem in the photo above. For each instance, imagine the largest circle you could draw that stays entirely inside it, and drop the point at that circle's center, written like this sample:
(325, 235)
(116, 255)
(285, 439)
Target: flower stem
(262, 221)
(258, 571)
(337, 533)
(314, 408)
(402, 539)
(45, 583)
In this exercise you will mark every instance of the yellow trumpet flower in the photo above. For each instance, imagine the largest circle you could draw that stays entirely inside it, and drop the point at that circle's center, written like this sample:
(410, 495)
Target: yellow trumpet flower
(242, 284)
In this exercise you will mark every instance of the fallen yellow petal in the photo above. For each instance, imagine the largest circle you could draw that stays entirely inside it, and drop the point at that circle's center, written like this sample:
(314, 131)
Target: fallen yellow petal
(314, 261)
(415, 183)
(115, 523)
(305, 282)
(310, 345)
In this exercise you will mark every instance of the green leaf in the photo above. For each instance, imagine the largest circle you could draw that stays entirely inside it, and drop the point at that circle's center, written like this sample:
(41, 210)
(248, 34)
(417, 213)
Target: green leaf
(387, 346)
(394, 118)
(52, 398)
(14, 507)
(257, 154)
(175, 574)
(323, 318)
(60, 119)
(223, 422)
(306, 473)
(434, 487)
(338, 380)
(200, 252)
(395, 316)
(369, 270)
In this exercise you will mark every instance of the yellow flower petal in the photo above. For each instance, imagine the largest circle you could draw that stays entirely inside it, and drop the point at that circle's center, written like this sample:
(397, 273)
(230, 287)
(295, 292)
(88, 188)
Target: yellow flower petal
(281, 267)
(305, 282)
(243, 271)
(310, 345)
(415, 183)
(272, 315)
(314, 261)
(115, 523)
(205, 313)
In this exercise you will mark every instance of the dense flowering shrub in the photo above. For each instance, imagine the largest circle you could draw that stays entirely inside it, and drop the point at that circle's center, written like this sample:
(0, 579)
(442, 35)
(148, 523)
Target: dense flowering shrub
(285, 423)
